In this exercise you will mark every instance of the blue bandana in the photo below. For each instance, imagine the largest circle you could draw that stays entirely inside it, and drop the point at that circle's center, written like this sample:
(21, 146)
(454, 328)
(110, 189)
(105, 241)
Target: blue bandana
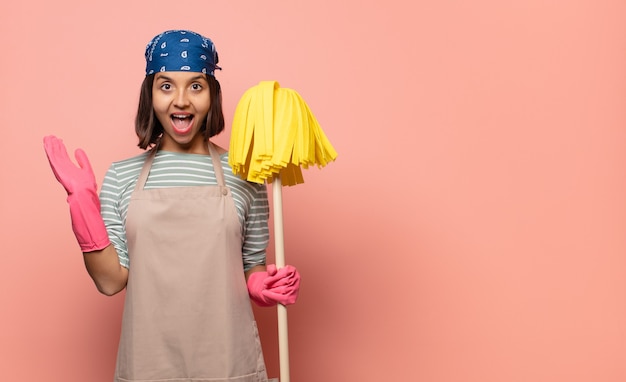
(181, 51)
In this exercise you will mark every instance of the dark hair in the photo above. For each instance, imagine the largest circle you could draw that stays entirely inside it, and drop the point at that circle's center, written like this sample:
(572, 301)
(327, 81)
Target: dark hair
(148, 127)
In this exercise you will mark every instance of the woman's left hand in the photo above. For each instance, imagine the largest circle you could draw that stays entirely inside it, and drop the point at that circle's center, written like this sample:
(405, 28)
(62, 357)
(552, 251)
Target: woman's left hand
(267, 288)
(283, 282)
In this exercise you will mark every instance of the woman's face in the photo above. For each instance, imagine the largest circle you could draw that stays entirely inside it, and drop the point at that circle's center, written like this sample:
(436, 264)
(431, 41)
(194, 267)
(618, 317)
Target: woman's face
(181, 102)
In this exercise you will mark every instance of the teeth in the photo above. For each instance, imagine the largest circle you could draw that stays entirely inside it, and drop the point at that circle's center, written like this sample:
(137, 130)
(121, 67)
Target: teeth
(181, 116)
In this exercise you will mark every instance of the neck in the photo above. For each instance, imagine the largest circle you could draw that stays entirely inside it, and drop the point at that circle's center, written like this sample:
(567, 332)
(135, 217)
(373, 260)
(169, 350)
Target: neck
(198, 145)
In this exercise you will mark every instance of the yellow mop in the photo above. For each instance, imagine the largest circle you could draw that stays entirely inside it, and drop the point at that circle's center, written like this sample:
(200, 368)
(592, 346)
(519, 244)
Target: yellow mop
(274, 135)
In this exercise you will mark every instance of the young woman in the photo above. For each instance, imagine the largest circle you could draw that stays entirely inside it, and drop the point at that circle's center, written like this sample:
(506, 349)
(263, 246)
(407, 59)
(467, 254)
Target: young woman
(178, 230)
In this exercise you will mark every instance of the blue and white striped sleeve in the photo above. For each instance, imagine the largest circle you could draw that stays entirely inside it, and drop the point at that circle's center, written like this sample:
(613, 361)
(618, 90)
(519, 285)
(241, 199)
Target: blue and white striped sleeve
(256, 231)
(111, 214)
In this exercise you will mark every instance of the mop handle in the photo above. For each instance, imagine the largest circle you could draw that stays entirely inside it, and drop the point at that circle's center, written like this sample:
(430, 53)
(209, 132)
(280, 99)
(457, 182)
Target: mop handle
(283, 340)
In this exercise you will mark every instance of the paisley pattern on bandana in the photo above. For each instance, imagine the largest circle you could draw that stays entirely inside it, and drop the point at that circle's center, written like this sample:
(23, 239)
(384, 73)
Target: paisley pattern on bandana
(181, 51)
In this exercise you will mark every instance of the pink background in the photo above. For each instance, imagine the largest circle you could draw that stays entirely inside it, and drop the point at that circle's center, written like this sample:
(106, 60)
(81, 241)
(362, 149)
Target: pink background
(472, 228)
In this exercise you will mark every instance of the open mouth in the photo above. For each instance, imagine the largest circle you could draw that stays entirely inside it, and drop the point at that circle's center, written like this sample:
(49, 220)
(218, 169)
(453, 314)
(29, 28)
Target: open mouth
(182, 123)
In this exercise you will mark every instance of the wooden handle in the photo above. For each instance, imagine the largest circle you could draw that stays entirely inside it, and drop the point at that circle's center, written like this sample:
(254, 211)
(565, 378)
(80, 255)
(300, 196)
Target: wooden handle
(283, 336)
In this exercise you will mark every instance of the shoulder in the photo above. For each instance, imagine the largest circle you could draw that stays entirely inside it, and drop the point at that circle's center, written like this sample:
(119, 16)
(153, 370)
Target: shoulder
(252, 189)
(126, 168)
(220, 150)
(137, 160)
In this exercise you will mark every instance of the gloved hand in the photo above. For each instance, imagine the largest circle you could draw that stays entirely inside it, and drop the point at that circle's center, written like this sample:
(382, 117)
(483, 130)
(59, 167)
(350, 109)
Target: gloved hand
(82, 194)
(267, 288)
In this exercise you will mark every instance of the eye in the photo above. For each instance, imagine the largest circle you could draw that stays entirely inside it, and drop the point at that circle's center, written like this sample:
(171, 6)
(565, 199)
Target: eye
(196, 86)
(166, 86)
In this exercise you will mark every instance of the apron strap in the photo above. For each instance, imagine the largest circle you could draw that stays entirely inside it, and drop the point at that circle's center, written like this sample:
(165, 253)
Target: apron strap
(145, 170)
(217, 164)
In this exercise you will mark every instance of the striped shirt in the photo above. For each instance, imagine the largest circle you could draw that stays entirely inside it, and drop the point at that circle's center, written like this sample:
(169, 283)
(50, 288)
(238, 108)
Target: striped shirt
(171, 169)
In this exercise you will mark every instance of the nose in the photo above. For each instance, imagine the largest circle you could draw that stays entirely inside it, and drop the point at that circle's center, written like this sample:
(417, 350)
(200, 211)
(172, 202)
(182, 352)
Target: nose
(182, 99)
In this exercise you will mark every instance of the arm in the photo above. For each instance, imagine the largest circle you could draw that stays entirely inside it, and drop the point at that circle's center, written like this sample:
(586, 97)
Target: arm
(106, 271)
(80, 184)
(267, 286)
(256, 268)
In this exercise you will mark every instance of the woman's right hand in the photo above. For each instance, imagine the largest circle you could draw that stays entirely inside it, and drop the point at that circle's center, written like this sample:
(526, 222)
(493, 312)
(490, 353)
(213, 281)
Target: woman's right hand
(80, 184)
(73, 178)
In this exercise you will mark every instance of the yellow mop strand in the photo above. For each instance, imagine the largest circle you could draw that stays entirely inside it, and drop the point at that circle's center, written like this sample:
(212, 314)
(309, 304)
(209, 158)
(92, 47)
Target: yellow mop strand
(274, 132)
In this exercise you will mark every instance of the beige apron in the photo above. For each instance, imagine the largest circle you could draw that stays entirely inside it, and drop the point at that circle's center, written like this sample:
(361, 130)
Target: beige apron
(187, 314)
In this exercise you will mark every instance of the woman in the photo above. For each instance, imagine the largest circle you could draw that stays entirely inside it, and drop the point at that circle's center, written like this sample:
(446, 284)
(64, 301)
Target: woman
(178, 230)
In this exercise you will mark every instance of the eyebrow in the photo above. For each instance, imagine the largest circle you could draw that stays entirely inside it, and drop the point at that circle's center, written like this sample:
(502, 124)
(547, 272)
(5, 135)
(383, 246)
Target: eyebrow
(166, 78)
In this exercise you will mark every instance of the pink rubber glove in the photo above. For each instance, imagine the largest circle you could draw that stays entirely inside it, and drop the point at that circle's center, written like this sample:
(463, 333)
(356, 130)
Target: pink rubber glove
(274, 286)
(82, 194)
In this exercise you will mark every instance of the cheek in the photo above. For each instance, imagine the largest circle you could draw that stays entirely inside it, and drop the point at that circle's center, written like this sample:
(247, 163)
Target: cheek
(157, 103)
(161, 111)
(160, 96)
(204, 104)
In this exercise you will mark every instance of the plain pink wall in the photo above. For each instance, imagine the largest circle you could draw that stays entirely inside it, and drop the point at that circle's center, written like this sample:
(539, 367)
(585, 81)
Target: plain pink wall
(472, 228)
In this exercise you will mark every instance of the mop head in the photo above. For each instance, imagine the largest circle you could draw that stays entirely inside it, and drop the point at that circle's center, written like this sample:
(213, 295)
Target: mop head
(275, 133)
